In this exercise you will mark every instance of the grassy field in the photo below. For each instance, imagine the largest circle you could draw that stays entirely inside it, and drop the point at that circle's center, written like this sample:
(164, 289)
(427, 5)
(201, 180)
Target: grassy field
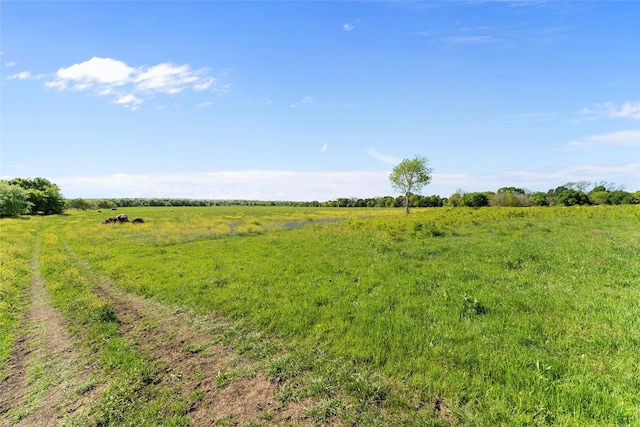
(492, 316)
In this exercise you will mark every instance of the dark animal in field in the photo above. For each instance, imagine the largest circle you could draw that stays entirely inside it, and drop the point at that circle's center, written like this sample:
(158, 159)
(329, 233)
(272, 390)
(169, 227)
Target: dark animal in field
(118, 219)
(114, 209)
(137, 221)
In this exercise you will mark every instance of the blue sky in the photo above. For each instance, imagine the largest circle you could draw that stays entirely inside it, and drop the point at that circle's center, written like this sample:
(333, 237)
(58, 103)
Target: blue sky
(318, 100)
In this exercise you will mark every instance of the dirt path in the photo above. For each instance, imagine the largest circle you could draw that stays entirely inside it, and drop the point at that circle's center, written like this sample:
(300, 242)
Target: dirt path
(193, 363)
(46, 373)
(48, 380)
(225, 388)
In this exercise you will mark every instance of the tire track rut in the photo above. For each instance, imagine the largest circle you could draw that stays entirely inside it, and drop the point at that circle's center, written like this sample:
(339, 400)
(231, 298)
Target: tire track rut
(193, 363)
(47, 378)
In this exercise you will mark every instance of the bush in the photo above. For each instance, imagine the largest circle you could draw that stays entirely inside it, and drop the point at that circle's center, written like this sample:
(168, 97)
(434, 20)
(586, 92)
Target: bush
(510, 199)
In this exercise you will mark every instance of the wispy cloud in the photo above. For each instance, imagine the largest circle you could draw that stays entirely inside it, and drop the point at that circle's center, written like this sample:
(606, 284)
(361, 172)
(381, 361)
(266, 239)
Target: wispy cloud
(537, 115)
(130, 101)
(10, 64)
(624, 137)
(305, 100)
(108, 76)
(525, 3)
(446, 183)
(25, 75)
(629, 110)
(422, 33)
(470, 39)
(383, 157)
(499, 36)
(165, 78)
(324, 148)
(205, 104)
(348, 27)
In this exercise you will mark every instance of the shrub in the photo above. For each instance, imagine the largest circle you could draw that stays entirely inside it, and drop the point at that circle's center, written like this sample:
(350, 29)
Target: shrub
(510, 199)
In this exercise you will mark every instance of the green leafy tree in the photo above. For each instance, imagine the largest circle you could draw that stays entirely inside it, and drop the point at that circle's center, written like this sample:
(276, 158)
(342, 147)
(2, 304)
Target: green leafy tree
(620, 197)
(456, 199)
(475, 200)
(43, 195)
(511, 190)
(570, 197)
(599, 197)
(410, 176)
(539, 198)
(80, 204)
(105, 204)
(13, 200)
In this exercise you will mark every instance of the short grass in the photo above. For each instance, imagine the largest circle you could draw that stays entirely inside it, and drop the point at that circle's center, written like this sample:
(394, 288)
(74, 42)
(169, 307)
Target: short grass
(494, 316)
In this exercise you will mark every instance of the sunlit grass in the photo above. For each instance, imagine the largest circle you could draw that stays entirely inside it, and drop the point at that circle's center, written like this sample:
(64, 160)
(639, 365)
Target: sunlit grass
(496, 316)
(17, 242)
(509, 315)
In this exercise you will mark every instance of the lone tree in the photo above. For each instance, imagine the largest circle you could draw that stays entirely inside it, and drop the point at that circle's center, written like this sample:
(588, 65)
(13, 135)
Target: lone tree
(409, 176)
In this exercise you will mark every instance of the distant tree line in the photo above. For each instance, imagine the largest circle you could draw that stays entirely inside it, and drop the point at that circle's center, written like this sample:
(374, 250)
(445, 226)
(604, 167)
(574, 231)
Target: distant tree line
(569, 194)
(39, 196)
(86, 204)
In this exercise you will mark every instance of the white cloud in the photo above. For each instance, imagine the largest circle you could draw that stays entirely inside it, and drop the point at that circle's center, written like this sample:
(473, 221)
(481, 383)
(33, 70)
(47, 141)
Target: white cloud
(25, 75)
(471, 39)
(204, 84)
(624, 137)
(305, 100)
(249, 185)
(11, 64)
(348, 27)
(108, 76)
(322, 186)
(324, 148)
(383, 157)
(446, 183)
(629, 110)
(105, 72)
(129, 101)
(205, 104)
(167, 78)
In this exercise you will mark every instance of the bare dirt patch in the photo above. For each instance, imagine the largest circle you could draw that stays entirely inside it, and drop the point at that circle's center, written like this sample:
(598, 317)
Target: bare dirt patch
(220, 386)
(45, 370)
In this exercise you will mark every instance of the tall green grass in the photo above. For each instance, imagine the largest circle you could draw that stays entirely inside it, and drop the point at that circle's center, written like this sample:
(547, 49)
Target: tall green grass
(494, 316)
(128, 396)
(17, 245)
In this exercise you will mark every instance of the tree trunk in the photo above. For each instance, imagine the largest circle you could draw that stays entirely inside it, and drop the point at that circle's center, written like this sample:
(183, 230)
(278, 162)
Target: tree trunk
(406, 203)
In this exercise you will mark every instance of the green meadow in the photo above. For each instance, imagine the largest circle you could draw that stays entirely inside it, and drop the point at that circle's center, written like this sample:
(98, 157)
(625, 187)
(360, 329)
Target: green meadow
(446, 316)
